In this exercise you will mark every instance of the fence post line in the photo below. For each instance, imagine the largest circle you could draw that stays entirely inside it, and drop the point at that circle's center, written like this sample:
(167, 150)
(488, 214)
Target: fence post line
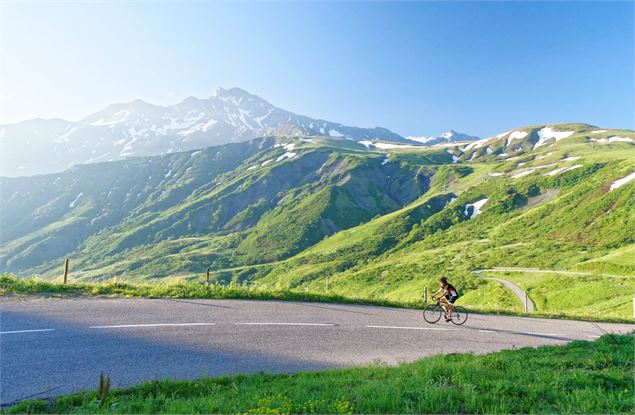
(425, 294)
(526, 303)
(207, 277)
(65, 270)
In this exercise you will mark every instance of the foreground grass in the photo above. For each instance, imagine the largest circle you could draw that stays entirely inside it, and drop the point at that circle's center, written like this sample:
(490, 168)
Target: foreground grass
(579, 377)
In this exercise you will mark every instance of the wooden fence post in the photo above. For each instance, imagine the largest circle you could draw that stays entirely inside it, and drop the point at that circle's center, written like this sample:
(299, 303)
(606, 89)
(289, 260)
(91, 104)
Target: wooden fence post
(65, 270)
(207, 278)
(425, 295)
(526, 303)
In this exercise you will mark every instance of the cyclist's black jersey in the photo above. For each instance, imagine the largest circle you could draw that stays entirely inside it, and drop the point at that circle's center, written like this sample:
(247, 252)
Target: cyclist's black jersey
(451, 293)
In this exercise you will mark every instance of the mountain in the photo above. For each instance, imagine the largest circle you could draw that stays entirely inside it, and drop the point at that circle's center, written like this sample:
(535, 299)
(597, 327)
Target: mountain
(138, 128)
(447, 137)
(256, 200)
(375, 222)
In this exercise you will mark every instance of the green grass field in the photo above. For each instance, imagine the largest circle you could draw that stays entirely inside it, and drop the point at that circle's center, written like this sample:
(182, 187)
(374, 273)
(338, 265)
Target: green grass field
(579, 377)
(579, 295)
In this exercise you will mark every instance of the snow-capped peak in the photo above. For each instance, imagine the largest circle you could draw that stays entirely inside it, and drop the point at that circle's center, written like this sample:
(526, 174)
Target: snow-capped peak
(450, 136)
(138, 128)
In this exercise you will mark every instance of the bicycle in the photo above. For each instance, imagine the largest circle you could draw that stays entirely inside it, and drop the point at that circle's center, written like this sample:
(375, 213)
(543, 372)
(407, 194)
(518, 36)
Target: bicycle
(434, 312)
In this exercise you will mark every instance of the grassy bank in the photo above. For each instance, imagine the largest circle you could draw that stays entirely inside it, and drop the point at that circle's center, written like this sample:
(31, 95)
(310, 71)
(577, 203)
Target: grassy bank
(579, 377)
(10, 285)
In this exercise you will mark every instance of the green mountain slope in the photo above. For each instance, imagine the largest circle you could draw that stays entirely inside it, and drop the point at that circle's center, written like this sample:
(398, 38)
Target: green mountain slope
(230, 205)
(318, 213)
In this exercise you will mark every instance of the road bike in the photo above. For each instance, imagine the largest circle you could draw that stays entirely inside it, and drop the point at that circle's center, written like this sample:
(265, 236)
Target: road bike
(433, 313)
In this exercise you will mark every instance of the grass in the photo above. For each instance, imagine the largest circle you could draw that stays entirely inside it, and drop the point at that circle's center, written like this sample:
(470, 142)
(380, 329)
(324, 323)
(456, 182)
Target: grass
(10, 285)
(578, 294)
(579, 377)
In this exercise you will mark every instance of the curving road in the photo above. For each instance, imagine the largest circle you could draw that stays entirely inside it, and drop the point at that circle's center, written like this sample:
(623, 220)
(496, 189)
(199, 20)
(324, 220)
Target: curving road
(50, 347)
(528, 305)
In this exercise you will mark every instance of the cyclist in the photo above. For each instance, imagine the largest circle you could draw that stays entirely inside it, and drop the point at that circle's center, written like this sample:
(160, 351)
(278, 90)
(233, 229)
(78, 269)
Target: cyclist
(448, 295)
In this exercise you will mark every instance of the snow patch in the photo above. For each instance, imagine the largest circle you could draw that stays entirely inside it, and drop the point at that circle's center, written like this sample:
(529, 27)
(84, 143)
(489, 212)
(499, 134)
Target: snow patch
(455, 159)
(621, 182)
(547, 133)
(562, 170)
(72, 204)
(286, 155)
(264, 163)
(516, 135)
(613, 140)
(387, 146)
(386, 160)
(531, 170)
(476, 208)
(598, 131)
(523, 173)
(496, 174)
(477, 144)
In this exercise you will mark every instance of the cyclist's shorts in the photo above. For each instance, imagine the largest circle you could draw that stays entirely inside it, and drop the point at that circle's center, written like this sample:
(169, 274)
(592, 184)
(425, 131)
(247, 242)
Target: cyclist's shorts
(451, 299)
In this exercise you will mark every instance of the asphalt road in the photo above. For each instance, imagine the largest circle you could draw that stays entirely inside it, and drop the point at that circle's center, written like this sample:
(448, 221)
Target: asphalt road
(49, 347)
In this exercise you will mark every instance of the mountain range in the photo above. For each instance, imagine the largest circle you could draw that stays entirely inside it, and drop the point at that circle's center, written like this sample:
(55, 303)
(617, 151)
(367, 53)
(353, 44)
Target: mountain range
(138, 128)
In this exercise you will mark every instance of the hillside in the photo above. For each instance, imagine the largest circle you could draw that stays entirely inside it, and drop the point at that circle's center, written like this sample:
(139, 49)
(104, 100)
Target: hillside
(139, 128)
(325, 213)
(236, 204)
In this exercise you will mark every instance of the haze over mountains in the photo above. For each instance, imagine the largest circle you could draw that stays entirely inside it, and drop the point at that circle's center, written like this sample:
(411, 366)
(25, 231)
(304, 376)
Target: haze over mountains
(138, 128)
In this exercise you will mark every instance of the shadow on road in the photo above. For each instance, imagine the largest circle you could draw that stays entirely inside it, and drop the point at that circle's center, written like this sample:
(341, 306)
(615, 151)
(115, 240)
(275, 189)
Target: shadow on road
(70, 359)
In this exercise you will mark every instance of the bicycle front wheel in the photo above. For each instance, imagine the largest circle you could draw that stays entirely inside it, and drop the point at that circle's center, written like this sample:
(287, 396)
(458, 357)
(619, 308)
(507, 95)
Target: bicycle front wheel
(459, 316)
(432, 314)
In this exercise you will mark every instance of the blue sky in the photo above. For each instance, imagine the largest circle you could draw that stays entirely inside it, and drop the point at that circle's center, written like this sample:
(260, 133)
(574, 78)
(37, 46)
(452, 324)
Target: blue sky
(417, 68)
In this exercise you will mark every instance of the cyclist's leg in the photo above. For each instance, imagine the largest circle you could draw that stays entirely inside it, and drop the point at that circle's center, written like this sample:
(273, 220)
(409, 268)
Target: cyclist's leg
(450, 308)
(444, 303)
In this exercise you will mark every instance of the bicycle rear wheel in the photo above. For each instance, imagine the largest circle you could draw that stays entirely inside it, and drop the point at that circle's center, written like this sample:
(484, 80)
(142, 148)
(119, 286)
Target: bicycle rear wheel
(459, 316)
(432, 314)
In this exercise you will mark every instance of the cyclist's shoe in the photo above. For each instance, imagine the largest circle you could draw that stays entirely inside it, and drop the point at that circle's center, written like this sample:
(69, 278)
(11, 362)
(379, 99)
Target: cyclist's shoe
(448, 319)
